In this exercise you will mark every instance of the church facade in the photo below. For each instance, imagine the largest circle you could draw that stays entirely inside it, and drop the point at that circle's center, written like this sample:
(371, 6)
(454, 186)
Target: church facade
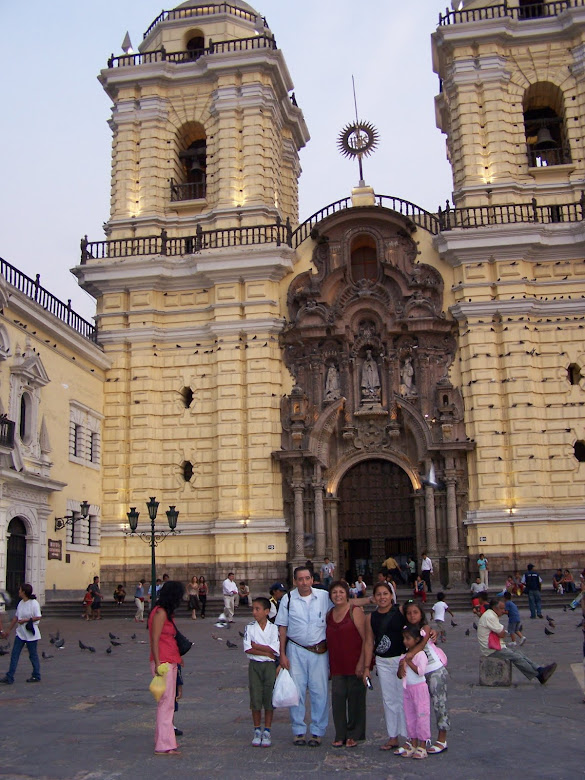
(377, 380)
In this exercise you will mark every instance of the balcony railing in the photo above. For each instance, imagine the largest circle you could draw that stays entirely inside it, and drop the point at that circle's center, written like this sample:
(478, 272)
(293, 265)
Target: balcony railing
(511, 214)
(6, 432)
(187, 191)
(192, 55)
(46, 300)
(542, 158)
(537, 10)
(205, 10)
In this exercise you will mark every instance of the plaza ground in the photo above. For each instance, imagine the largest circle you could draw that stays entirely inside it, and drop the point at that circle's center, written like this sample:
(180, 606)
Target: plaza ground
(92, 717)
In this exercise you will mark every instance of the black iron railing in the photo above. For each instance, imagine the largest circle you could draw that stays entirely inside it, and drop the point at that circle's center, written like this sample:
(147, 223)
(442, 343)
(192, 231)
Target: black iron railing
(542, 158)
(405, 208)
(510, 214)
(6, 432)
(536, 10)
(33, 290)
(192, 55)
(187, 191)
(205, 10)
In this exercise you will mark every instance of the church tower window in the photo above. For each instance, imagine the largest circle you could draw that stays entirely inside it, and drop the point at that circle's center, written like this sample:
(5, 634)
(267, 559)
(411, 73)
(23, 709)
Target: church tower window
(189, 179)
(195, 45)
(544, 126)
(530, 9)
(364, 258)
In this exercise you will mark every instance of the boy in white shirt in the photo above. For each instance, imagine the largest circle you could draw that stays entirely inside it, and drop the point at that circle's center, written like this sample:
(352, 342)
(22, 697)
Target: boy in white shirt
(439, 610)
(262, 645)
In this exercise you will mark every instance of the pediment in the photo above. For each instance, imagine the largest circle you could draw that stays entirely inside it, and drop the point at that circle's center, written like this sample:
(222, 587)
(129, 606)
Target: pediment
(29, 367)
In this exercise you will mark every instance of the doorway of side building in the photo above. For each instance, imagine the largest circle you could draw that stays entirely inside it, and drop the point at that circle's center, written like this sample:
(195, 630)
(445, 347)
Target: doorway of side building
(15, 557)
(376, 518)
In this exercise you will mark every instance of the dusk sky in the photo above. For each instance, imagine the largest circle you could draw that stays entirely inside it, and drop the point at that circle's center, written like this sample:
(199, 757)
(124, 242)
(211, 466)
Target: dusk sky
(55, 141)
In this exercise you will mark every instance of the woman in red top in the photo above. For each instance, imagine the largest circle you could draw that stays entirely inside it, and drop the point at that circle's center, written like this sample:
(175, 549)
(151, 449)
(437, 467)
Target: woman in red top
(163, 649)
(345, 642)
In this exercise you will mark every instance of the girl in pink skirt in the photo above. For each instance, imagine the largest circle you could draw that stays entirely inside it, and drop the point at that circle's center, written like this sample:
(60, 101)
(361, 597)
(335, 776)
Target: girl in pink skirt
(417, 701)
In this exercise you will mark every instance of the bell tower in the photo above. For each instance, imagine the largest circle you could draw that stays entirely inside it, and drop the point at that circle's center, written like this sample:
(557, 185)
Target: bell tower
(204, 129)
(511, 100)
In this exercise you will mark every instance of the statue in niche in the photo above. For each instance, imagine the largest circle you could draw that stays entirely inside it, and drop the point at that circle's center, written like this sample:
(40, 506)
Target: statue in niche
(332, 390)
(407, 378)
(370, 379)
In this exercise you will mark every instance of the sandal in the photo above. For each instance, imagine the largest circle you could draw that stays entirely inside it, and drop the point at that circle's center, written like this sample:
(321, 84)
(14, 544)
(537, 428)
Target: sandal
(406, 750)
(299, 740)
(351, 743)
(315, 741)
(339, 743)
(390, 745)
(419, 753)
(437, 747)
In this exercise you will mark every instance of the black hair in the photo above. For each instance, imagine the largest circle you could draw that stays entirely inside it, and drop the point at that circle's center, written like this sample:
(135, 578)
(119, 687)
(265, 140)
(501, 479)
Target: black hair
(301, 568)
(339, 584)
(263, 601)
(412, 631)
(494, 602)
(231, 574)
(440, 596)
(383, 584)
(170, 596)
(120, 585)
(28, 591)
(422, 622)
(507, 596)
(484, 596)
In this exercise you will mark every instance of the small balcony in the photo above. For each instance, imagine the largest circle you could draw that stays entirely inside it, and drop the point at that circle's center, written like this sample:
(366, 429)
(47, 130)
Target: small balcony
(543, 158)
(187, 191)
(6, 432)
(525, 11)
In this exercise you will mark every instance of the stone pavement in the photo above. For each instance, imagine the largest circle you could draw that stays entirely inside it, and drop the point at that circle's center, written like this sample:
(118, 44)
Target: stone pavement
(92, 717)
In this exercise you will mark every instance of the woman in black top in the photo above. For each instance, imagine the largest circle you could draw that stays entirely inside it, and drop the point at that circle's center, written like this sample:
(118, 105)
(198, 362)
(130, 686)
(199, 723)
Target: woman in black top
(384, 640)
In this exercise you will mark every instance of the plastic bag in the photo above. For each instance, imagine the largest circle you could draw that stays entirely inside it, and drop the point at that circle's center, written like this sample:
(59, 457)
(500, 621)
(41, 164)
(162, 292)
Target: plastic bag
(285, 693)
(158, 684)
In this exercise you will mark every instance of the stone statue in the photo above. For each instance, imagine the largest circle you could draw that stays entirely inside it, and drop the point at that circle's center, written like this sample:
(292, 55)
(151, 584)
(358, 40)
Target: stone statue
(370, 378)
(407, 378)
(332, 390)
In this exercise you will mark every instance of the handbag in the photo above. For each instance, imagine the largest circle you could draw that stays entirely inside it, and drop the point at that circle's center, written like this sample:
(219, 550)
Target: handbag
(494, 641)
(183, 644)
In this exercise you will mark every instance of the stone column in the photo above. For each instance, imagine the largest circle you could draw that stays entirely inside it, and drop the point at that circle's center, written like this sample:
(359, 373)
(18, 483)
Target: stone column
(319, 515)
(334, 532)
(431, 522)
(452, 534)
(299, 526)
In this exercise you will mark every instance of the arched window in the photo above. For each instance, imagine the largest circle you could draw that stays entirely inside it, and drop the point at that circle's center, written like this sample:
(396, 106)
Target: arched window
(24, 424)
(195, 45)
(189, 181)
(364, 259)
(544, 125)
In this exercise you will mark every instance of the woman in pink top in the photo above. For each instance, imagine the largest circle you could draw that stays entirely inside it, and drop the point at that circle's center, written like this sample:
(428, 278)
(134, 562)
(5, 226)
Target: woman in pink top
(163, 649)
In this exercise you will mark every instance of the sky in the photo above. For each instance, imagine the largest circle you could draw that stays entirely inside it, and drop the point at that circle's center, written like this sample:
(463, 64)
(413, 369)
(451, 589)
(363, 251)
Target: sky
(55, 143)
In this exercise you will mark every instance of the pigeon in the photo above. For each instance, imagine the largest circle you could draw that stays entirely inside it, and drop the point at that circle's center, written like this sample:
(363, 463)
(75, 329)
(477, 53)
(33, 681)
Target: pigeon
(475, 625)
(82, 646)
(133, 636)
(91, 649)
(45, 656)
(109, 650)
(116, 644)
(241, 633)
(54, 638)
(564, 607)
(59, 643)
(217, 638)
(222, 618)
(231, 644)
(113, 636)
(547, 632)
(579, 625)
(467, 632)
(5, 650)
(552, 623)
(220, 625)
(453, 623)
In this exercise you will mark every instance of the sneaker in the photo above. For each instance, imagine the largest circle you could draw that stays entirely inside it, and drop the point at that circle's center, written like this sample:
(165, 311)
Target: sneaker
(6, 681)
(266, 738)
(511, 644)
(540, 616)
(257, 741)
(34, 679)
(178, 732)
(522, 641)
(546, 672)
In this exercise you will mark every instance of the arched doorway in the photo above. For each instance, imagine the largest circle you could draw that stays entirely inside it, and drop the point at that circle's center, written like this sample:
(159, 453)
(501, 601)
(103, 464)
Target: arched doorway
(376, 518)
(15, 556)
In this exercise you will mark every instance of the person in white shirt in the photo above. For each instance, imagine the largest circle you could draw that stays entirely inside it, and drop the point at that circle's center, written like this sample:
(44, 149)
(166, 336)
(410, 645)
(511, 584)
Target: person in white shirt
(426, 569)
(327, 570)
(26, 620)
(489, 623)
(229, 590)
(262, 646)
(439, 610)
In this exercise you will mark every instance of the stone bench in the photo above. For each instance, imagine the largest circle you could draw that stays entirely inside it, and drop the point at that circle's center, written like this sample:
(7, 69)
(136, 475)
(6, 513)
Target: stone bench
(495, 672)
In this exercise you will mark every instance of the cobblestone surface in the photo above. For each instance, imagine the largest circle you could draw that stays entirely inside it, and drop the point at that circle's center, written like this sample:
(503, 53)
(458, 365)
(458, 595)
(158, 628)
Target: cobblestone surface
(92, 717)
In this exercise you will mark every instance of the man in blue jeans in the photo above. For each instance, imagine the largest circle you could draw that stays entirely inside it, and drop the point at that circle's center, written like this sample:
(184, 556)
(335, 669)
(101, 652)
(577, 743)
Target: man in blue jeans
(533, 583)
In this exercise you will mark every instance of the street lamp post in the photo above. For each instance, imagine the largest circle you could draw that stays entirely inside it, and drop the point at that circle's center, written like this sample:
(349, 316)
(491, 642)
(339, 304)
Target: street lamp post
(154, 537)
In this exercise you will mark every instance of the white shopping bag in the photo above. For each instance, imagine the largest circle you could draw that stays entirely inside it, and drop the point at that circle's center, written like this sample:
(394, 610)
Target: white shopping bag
(285, 693)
